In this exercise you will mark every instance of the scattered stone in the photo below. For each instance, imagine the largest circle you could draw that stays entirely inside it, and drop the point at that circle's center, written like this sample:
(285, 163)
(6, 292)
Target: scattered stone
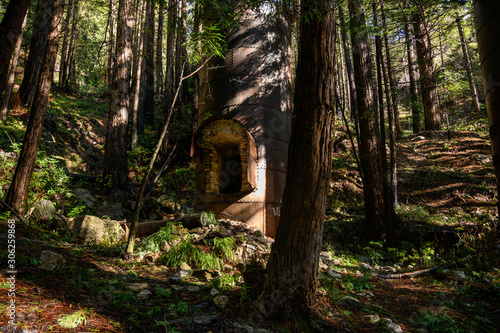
(91, 230)
(322, 265)
(144, 294)
(221, 301)
(85, 196)
(365, 294)
(366, 266)
(204, 320)
(483, 159)
(358, 274)
(214, 292)
(336, 262)
(193, 288)
(344, 271)
(393, 326)
(136, 287)
(50, 260)
(151, 257)
(326, 256)
(202, 275)
(168, 205)
(185, 266)
(183, 273)
(334, 274)
(350, 302)
(177, 288)
(461, 274)
(44, 210)
(113, 211)
(175, 279)
(164, 246)
(373, 318)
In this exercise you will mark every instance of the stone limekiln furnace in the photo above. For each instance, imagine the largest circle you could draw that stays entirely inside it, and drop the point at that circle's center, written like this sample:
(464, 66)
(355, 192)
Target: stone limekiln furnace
(244, 121)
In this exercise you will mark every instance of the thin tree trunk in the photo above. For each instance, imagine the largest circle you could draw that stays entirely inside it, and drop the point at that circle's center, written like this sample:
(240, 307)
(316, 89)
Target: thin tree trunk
(137, 39)
(10, 29)
(64, 51)
(18, 190)
(428, 83)
(12, 75)
(159, 49)
(378, 206)
(111, 55)
(292, 271)
(149, 57)
(468, 68)
(138, 86)
(115, 148)
(33, 65)
(71, 70)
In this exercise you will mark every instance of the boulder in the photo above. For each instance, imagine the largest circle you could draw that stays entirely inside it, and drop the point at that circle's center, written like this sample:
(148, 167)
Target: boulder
(221, 301)
(91, 230)
(50, 260)
(112, 211)
(85, 196)
(44, 210)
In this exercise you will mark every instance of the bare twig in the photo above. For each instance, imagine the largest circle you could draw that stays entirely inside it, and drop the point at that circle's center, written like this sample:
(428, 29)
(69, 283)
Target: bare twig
(410, 274)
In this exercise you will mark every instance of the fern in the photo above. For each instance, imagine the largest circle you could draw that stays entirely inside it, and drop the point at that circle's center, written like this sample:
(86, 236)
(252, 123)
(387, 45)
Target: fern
(73, 320)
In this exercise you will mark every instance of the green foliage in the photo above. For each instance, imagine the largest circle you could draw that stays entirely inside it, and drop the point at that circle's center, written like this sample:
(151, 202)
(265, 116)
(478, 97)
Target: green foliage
(73, 320)
(375, 251)
(185, 251)
(162, 292)
(180, 308)
(225, 281)
(152, 243)
(226, 246)
(438, 322)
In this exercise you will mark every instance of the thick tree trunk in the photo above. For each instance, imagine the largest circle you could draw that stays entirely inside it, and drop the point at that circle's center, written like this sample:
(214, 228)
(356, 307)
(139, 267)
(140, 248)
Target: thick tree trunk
(487, 16)
(159, 49)
(12, 75)
(413, 92)
(33, 65)
(428, 83)
(64, 51)
(378, 206)
(468, 68)
(115, 148)
(111, 48)
(10, 29)
(292, 271)
(18, 189)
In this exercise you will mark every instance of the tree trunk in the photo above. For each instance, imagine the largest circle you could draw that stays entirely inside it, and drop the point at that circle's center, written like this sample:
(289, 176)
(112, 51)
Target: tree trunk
(12, 75)
(378, 206)
(115, 148)
(10, 29)
(138, 19)
(292, 271)
(487, 17)
(111, 55)
(33, 65)
(413, 93)
(149, 58)
(138, 86)
(64, 51)
(428, 83)
(468, 68)
(159, 50)
(18, 189)
(71, 70)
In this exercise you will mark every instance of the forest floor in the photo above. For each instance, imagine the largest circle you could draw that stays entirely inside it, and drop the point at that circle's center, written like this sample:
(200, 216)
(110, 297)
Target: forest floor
(447, 201)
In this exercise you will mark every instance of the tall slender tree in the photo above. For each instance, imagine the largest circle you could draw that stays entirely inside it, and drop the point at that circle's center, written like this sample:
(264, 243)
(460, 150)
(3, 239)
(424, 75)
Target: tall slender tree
(292, 270)
(63, 65)
(115, 147)
(18, 190)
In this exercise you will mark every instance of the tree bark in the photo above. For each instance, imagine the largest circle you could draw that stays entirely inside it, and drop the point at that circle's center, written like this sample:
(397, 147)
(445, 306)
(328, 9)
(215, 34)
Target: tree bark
(111, 55)
(33, 65)
(18, 190)
(115, 148)
(64, 51)
(10, 29)
(292, 271)
(159, 49)
(487, 17)
(12, 75)
(138, 86)
(149, 62)
(378, 206)
(468, 68)
(71, 70)
(428, 83)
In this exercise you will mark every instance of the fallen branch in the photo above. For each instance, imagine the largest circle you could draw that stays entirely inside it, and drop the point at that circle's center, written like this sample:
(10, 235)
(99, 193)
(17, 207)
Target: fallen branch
(409, 274)
(12, 210)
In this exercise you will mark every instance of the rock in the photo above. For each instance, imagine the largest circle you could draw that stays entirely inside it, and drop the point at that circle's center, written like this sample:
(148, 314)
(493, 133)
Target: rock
(358, 274)
(183, 273)
(373, 318)
(461, 274)
(246, 328)
(177, 288)
(85, 196)
(144, 294)
(204, 320)
(91, 230)
(184, 266)
(44, 210)
(483, 159)
(326, 256)
(164, 246)
(258, 233)
(221, 301)
(136, 287)
(350, 302)
(193, 288)
(50, 260)
(214, 292)
(151, 257)
(366, 266)
(336, 262)
(202, 275)
(168, 205)
(392, 326)
(112, 210)
(322, 265)
(334, 273)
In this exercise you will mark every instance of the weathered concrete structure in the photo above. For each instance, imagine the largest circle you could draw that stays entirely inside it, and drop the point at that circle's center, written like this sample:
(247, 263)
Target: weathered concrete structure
(244, 121)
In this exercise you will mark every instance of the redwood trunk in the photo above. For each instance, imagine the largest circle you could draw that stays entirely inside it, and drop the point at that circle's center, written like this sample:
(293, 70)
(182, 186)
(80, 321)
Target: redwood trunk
(115, 149)
(64, 51)
(18, 189)
(292, 271)
(111, 48)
